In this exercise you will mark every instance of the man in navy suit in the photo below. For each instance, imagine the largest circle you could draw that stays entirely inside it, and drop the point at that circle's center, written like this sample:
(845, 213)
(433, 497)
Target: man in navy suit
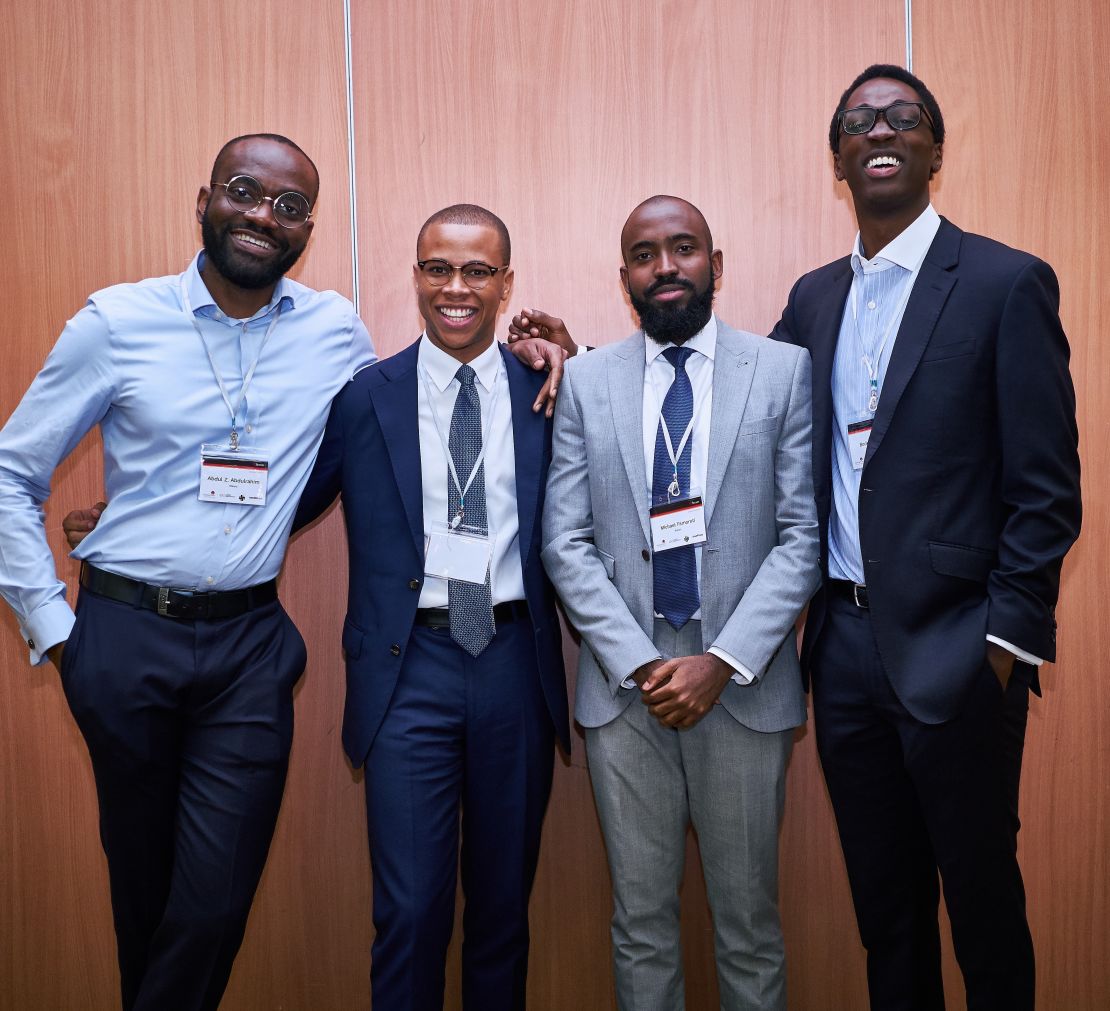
(947, 484)
(455, 680)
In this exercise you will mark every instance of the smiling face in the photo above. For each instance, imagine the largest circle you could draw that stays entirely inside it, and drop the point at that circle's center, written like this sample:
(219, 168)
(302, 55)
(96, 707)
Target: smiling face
(670, 268)
(461, 320)
(249, 249)
(887, 170)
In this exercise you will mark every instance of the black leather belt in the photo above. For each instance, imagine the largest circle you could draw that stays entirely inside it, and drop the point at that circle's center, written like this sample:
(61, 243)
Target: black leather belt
(171, 602)
(510, 610)
(855, 592)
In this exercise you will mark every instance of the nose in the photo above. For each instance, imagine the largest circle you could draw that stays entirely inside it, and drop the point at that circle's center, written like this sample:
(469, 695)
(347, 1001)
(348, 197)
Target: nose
(455, 284)
(264, 211)
(881, 127)
(664, 265)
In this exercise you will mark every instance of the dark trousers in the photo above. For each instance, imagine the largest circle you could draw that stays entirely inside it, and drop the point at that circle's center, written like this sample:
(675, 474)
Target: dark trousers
(912, 799)
(469, 735)
(188, 725)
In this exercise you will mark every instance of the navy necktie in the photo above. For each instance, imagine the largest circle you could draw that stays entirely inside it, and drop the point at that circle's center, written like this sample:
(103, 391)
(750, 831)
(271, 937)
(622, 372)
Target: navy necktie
(470, 605)
(675, 571)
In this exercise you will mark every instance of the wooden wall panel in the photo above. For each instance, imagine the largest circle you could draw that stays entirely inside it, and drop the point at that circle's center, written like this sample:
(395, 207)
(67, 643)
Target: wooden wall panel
(113, 114)
(561, 118)
(1021, 85)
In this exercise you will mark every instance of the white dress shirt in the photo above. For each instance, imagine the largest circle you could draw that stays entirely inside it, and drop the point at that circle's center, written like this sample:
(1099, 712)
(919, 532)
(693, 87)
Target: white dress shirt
(437, 371)
(658, 376)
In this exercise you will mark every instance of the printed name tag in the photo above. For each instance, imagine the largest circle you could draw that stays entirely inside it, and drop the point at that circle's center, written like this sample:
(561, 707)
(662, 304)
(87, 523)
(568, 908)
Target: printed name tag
(458, 554)
(678, 524)
(858, 434)
(237, 476)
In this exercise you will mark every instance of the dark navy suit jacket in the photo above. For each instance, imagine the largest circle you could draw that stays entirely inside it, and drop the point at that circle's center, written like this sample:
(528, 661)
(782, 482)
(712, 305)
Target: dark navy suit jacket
(371, 456)
(969, 495)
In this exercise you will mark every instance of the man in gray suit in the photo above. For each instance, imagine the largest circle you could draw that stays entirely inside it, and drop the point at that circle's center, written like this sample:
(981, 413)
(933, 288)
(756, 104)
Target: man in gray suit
(681, 533)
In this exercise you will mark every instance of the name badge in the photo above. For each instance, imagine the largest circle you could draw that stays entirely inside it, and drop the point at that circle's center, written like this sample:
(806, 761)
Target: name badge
(458, 553)
(858, 434)
(236, 476)
(679, 523)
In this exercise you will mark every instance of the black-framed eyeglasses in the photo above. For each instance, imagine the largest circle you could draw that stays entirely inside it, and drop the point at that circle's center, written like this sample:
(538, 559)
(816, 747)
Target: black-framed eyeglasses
(475, 274)
(245, 193)
(899, 116)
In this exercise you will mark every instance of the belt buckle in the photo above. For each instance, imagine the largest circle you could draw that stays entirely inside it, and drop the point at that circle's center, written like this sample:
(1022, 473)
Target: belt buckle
(856, 587)
(164, 601)
(175, 606)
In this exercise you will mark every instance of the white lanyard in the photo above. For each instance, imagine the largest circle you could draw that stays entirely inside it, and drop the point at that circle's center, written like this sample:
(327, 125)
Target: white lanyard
(872, 365)
(674, 489)
(460, 512)
(233, 411)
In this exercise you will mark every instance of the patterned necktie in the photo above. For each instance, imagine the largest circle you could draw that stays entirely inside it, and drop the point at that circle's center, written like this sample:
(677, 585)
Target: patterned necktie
(470, 605)
(675, 571)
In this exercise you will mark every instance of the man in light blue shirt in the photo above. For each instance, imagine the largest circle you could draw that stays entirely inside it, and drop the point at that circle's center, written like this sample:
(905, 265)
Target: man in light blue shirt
(211, 389)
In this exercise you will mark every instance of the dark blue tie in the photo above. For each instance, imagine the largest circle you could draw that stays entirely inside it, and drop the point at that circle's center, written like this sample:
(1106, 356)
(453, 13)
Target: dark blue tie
(470, 605)
(676, 573)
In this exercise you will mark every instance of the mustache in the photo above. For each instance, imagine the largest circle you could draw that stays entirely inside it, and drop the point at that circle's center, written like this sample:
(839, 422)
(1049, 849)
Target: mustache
(671, 282)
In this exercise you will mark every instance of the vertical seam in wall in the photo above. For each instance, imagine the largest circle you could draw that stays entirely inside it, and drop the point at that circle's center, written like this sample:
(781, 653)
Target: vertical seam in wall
(909, 35)
(353, 184)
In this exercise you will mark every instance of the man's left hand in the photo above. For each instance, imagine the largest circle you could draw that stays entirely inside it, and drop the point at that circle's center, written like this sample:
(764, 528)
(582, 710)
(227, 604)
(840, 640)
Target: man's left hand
(1002, 663)
(537, 353)
(681, 691)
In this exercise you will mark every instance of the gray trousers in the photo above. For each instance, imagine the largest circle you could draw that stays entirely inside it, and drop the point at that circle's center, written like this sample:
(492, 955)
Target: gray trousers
(649, 784)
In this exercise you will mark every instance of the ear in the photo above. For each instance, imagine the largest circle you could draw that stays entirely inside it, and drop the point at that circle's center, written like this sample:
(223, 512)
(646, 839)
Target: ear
(624, 280)
(838, 169)
(507, 285)
(717, 264)
(203, 196)
(938, 160)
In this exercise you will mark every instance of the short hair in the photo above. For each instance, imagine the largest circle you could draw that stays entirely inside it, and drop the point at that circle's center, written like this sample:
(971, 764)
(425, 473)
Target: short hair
(468, 214)
(664, 198)
(277, 138)
(895, 73)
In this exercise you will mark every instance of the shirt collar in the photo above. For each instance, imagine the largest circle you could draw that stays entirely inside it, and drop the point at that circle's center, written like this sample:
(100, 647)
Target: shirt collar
(705, 341)
(441, 367)
(907, 249)
(200, 298)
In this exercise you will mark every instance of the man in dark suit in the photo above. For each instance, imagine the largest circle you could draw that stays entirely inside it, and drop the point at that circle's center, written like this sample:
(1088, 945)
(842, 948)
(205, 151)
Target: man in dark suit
(947, 483)
(455, 680)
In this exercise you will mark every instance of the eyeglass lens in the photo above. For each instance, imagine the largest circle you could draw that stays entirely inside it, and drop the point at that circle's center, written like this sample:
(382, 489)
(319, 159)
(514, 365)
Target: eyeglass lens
(290, 209)
(474, 274)
(900, 116)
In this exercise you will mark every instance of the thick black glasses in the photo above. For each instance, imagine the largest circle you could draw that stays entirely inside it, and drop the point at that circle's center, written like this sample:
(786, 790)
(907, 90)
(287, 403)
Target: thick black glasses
(475, 274)
(899, 116)
(245, 193)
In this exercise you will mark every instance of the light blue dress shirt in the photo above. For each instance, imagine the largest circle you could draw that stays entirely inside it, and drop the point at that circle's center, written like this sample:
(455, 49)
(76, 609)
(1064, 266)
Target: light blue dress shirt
(132, 362)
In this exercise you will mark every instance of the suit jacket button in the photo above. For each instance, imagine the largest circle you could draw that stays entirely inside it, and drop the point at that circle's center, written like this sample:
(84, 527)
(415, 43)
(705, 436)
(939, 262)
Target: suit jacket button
(395, 649)
(414, 584)
(645, 555)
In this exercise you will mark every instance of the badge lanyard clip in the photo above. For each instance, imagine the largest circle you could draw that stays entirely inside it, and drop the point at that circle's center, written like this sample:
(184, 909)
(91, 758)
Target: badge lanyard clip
(674, 489)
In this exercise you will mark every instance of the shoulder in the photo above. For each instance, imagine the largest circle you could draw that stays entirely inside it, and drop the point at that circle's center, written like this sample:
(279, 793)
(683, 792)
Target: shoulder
(772, 353)
(150, 291)
(981, 254)
(594, 364)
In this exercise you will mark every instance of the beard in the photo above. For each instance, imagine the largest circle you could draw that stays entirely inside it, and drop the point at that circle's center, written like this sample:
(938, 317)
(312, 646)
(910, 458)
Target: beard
(241, 270)
(667, 324)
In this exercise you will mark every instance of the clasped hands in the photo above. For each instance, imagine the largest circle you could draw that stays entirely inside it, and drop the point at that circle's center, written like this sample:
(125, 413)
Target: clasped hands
(679, 692)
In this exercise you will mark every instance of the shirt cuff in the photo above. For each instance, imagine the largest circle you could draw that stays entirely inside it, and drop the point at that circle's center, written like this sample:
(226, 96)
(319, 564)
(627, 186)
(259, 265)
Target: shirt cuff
(46, 627)
(630, 680)
(741, 675)
(582, 349)
(1036, 661)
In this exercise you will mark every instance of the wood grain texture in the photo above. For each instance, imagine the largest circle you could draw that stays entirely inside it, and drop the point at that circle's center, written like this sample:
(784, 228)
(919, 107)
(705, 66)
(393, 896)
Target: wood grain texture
(1021, 86)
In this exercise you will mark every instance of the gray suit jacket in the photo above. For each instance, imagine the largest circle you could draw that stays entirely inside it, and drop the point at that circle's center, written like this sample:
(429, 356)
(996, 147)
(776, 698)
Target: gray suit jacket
(760, 563)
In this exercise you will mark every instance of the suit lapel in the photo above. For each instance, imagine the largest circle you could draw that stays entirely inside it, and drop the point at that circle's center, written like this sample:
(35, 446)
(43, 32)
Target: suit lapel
(626, 394)
(733, 369)
(528, 431)
(930, 291)
(396, 404)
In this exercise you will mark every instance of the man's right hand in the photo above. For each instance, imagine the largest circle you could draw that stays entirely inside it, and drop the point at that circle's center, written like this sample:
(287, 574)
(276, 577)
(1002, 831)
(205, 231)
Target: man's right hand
(79, 523)
(641, 674)
(54, 655)
(534, 323)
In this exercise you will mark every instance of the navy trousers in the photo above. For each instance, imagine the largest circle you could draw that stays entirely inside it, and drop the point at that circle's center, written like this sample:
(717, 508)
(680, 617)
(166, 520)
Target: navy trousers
(912, 799)
(462, 735)
(188, 725)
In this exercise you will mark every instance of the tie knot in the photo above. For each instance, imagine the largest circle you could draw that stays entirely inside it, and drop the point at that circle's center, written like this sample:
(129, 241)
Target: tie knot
(465, 375)
(677, 357)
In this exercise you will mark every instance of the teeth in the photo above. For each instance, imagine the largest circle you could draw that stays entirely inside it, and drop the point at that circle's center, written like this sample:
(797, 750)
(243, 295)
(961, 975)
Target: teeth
(884, 161)
(254, 240)
(461, 313)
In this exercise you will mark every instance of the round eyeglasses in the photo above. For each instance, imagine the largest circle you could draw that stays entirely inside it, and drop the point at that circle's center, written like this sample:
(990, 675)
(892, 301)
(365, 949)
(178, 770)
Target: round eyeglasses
(475, 274)
(899, 116)
(245, 193)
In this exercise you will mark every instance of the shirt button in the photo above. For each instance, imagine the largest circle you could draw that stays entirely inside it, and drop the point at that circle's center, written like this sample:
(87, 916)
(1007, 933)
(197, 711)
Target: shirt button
(645, 555)
(395, 649)
(250, 428)
(414, 584)
(31, 643)
(210, 580)
(227, 530)
(870, 305)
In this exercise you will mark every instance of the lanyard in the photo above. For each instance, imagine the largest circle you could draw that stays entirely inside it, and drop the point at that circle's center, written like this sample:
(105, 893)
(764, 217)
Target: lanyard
(233, 411)
(872, 365)
(463, 488)
(674, 489)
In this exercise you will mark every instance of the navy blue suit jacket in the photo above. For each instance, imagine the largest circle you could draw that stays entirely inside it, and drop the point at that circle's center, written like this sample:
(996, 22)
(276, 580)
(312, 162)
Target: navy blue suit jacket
(969, 496)
(371, 456)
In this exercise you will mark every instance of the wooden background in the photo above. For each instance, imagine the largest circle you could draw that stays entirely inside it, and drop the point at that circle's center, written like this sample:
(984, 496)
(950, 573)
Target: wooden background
(560, 118)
